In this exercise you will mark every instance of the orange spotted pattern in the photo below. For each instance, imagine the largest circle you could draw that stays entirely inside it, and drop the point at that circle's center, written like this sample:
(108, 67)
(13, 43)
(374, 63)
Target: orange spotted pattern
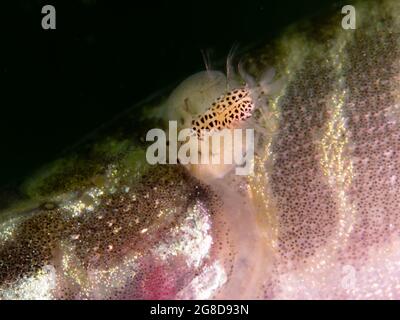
(227, 112)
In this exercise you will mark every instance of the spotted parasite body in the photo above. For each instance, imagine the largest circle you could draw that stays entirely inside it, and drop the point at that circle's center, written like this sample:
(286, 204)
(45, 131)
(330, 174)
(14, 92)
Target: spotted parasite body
(228, 111)
(233, 107)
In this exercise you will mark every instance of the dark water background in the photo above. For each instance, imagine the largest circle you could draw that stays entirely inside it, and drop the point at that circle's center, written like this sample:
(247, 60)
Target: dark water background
(59, 85)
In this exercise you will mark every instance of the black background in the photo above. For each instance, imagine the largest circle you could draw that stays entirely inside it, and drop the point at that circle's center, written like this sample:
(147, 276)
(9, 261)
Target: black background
(104, 56)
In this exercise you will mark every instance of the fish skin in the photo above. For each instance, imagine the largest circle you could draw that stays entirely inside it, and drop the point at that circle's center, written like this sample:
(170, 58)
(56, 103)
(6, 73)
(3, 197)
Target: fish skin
(323, 200)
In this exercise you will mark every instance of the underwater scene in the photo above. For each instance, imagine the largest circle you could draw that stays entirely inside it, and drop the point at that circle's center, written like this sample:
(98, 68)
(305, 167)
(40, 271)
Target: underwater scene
(192, 152)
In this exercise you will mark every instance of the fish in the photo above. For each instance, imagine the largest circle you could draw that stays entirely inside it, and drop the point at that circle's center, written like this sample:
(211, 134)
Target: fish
(317, 220)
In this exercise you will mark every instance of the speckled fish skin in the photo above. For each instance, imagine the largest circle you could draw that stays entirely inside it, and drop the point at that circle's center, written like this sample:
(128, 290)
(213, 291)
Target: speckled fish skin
(319, 219)
(126, 241)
